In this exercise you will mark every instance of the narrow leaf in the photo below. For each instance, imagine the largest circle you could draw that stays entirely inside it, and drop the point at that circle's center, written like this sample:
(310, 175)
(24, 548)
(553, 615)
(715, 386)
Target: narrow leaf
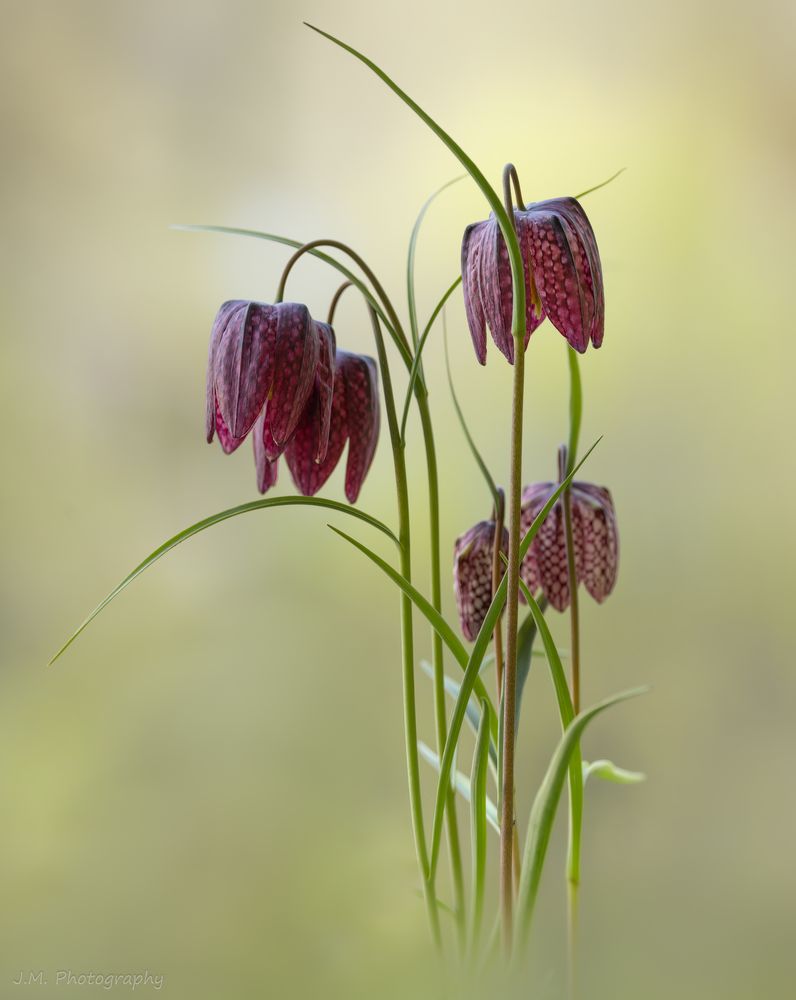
(478, 821)
(479, 461)
(434, 618)
(602, 184)
(452, 689)
(208, 522)
(608, 771)
(419, 352)
(543, 811)
(410, 260)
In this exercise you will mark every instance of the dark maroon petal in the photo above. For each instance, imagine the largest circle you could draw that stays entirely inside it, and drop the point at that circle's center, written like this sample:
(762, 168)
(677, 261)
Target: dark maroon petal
(360, 375)
(243, 365)
(266, 469)
(308, 474)
(472, 575)
(495, 285)
(597, 544)
(219, 328)
(227, 440)
(472, 246)
(295, 361)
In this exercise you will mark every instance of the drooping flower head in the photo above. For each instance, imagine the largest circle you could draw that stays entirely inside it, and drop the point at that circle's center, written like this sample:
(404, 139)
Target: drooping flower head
(260, 354)
(559, 250)
(595, 539)
(472, 575)
(355, 417)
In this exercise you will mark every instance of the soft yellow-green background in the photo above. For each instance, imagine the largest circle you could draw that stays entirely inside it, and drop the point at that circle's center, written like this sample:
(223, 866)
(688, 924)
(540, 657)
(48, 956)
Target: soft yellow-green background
(211, 784)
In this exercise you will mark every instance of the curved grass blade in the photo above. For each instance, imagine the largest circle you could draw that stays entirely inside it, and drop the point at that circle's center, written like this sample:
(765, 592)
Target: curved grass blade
(490, 482)
(413, 374)
(461, 784)
(410, 259)
(566, 712)
(543, 811)
(602, 184)
(208, 522)
(478, 821)
(608, 771)
(471, 673)
(434, 618)
(495, 201)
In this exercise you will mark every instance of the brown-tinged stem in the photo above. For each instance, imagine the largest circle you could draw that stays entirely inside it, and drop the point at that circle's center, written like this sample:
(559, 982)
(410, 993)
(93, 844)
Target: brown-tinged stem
(574, 616)
(497, 572)
(510, 176)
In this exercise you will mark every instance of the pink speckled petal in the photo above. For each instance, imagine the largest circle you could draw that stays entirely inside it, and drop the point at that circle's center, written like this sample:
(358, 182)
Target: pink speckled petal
(567, 269)
(266, 469)
(472, 248)
(360, 374)
(594, 519)
(495, 284)
(243, 365)
(533, 499)
(227, 440)
(295, 362)
(472, 575)
(308, 474)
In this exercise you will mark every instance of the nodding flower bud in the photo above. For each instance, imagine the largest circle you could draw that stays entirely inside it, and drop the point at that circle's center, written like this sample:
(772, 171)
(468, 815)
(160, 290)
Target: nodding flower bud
(595, 540)
(355, 417)
(559, 251)
(260, 354)
(472, 575)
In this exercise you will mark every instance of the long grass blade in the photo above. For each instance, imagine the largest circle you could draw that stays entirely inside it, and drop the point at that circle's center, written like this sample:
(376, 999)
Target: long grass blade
(602, 184)
(544, 807)
(413, 374)
(434, 618)
(478, 821)
(461, 784)
(208, 522)
(410, 258)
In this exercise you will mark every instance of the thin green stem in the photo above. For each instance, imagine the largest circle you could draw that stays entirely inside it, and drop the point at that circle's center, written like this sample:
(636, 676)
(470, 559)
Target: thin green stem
(513, 580)
(395, 324)
(510, 176)
(437, 655)
(407, 635)
(567, 461)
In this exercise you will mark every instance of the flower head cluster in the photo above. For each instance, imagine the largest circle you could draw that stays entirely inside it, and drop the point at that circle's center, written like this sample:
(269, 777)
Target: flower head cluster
(563, 276)
(275, 369)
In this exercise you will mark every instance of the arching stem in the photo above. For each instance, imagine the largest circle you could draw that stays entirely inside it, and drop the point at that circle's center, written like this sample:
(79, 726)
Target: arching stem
(407, 633)
(335, 299)
(510, 176)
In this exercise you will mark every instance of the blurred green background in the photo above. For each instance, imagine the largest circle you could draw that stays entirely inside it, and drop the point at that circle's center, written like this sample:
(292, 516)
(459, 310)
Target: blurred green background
(211, 784)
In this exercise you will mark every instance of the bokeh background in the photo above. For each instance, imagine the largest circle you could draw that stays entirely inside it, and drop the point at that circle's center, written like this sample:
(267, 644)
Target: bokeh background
(211, 784)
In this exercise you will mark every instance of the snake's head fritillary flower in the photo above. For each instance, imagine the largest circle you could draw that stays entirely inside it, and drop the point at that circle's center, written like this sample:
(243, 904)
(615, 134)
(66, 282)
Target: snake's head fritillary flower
(559, 251)
(472, 575)
(260, 354)
(595, 539)
(355, 417)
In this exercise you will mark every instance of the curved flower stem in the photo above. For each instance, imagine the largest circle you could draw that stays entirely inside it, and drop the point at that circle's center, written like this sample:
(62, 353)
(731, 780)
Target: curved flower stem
(510, 176)
(335, 299)
(399, 336)
(407, 635)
